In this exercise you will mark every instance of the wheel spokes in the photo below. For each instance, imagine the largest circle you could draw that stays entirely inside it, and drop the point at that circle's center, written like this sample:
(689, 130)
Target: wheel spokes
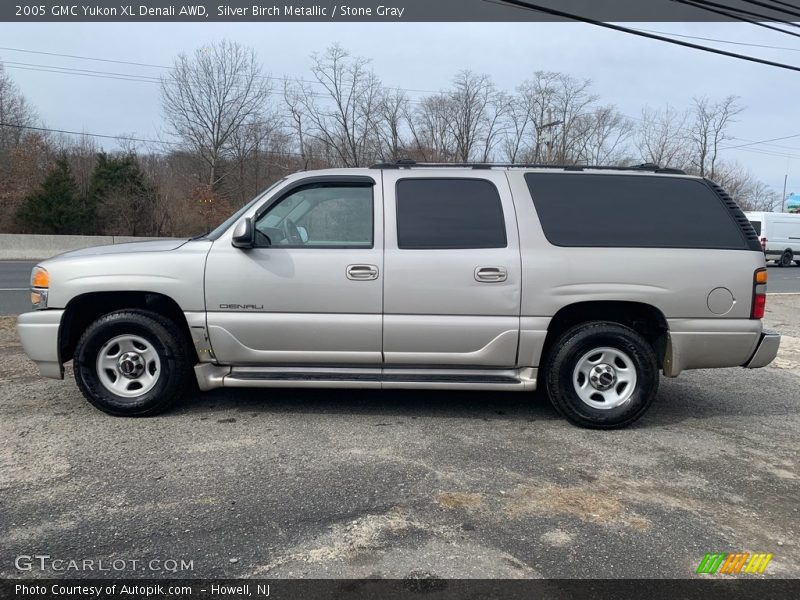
(128, 366)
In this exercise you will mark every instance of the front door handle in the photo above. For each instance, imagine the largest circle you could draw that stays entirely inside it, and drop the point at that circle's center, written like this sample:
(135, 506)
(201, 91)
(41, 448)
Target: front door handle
(362, 272)
(490, 274)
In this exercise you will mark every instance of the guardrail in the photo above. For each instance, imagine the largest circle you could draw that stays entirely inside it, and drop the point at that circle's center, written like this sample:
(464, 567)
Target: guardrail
(20, 246)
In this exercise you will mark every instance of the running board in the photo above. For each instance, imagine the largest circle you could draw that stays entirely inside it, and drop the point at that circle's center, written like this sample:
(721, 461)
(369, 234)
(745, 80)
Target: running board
(211, 376)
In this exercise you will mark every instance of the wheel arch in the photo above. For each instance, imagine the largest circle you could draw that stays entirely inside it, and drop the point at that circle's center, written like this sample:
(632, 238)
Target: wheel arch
(644, 318)
(86, 308)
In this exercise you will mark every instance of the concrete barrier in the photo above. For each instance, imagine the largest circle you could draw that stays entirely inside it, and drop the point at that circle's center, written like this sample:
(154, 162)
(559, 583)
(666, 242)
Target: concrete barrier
(15, 246)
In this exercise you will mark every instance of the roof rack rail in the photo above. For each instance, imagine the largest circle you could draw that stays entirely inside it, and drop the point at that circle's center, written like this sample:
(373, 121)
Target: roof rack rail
(408, 164)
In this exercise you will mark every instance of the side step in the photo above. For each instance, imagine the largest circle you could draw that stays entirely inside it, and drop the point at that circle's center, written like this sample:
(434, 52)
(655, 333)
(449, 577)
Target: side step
(211, 376)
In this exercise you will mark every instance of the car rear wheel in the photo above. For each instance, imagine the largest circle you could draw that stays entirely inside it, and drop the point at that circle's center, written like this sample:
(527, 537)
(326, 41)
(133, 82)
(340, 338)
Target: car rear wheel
(132, 363)
(601, 375)
(786, 259)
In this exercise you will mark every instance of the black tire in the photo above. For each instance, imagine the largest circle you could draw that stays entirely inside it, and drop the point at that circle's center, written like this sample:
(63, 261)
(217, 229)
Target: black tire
(166, 339)
(787, 258)
(576, 343)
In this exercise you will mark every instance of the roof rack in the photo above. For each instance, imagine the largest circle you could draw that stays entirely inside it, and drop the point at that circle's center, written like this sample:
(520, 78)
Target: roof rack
(408, 164)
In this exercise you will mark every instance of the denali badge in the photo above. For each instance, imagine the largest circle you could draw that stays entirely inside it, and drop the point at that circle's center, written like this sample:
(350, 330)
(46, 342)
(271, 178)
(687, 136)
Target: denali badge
(241, 307)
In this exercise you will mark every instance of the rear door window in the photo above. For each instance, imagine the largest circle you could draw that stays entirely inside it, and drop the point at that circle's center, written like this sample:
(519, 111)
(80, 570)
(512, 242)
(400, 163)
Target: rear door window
(449, 213)
(757, 226)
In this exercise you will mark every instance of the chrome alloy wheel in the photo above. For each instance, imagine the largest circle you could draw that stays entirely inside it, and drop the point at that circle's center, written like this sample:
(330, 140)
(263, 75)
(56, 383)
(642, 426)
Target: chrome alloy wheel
(128, 366)
(604, 378)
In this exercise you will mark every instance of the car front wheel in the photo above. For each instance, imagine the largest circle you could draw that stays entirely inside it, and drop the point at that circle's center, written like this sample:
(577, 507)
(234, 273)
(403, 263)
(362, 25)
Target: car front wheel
(601, 375)
(132, 363)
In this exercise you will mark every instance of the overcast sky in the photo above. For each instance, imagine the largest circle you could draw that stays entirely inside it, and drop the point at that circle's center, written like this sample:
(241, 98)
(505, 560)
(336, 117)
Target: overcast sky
(625, 70)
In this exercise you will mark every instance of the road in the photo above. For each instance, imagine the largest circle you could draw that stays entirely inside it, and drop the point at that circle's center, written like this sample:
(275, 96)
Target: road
(339, 483)
(15, 277)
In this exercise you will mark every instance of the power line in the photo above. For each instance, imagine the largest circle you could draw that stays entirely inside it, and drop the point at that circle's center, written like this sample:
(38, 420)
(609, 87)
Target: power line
(706, 39)
(783, 3)
(139, 78)
(703, 3)
(94, 58)
(573, 17)
(736, 17)
(778, 139)
(121, 137)
(86, 133)
(794, 12)
(170, 68)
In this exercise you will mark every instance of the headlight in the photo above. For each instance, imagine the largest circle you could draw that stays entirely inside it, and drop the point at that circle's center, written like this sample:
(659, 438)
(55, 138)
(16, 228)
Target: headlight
(40, 285)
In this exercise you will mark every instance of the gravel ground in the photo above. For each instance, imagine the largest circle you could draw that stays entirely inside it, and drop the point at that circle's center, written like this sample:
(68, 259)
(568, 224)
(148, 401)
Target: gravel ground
(290, 483)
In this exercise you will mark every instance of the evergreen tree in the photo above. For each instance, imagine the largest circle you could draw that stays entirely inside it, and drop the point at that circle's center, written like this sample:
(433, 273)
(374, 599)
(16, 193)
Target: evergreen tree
(56, 207)
(121, 195)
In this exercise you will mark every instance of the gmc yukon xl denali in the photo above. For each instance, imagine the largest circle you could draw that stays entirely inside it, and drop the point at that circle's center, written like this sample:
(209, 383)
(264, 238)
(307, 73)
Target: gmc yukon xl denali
(588, 281)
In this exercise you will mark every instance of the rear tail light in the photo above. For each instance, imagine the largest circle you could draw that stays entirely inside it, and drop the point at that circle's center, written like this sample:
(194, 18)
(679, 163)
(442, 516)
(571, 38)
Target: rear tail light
(764, 244)
(759, 294)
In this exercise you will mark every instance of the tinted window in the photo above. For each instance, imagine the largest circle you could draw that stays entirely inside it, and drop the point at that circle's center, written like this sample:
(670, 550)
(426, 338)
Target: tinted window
(632, 211)
(449, 213)
(757, 226)
(321, 215)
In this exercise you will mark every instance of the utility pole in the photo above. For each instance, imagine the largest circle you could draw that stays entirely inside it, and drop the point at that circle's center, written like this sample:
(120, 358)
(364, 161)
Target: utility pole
(548, 141)
(783, 198)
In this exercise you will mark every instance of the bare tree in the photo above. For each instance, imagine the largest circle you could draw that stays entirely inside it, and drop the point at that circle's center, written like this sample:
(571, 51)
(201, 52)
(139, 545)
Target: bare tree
(537, 95)
(710, 128)
(15, 113)
(343, 117)
(662, 137)
(293, 98)
(519, 121)
(208, 96)
(572, 101)
(474, 115)
(258, 149)
(390, 130)
(430, 128)
(748, 192)
(607, 133)
(554, 107)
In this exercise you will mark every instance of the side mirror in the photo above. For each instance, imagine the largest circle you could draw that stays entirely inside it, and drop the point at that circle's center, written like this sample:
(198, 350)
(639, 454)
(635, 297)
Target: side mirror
(243, 234)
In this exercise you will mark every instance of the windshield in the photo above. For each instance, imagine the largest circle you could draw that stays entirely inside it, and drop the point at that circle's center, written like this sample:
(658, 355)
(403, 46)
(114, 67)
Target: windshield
(222, 227)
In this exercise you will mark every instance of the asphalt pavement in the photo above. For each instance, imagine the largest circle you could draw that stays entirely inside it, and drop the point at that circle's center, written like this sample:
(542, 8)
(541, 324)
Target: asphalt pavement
(364, 484)
(15, 278)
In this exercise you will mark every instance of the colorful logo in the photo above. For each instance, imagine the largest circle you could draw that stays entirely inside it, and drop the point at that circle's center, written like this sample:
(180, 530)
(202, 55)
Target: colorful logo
(733, 563)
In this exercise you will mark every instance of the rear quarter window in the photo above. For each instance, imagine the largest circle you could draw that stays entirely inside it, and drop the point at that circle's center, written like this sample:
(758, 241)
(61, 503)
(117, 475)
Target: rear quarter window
(632, 211)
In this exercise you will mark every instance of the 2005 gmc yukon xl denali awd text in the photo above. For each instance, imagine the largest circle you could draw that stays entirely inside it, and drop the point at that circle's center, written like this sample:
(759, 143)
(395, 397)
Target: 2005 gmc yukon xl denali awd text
(586, 280)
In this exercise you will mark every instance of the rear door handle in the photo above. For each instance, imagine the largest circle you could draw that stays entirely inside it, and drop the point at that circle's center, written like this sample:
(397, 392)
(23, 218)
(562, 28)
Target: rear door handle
(490, 274)
(362, 272)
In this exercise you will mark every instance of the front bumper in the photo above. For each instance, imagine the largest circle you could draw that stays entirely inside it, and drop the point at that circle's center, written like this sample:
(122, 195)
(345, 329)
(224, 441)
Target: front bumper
(766, 351)
(38, 332)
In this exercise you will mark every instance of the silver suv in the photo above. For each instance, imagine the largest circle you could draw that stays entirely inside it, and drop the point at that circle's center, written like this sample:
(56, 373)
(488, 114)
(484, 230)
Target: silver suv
(588, 280)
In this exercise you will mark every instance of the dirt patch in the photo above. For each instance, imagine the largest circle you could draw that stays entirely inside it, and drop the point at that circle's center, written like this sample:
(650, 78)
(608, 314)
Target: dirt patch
(587, 504)
(557, 538)
(788, 355)
(8, 330)
(346, 540)
(464, 500)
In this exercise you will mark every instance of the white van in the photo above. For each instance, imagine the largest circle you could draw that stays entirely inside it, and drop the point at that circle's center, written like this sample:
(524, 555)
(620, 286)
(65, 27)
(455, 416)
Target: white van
(779, 234)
